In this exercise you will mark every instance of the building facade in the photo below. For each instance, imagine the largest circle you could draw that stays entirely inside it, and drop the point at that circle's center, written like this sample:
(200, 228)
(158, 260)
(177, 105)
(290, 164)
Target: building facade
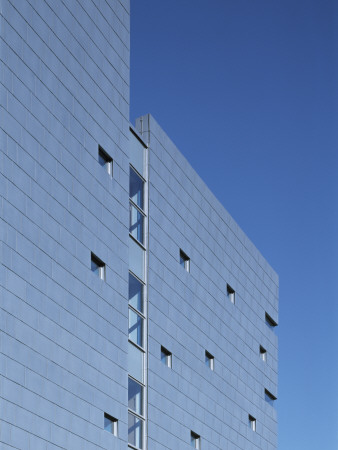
(134, 312)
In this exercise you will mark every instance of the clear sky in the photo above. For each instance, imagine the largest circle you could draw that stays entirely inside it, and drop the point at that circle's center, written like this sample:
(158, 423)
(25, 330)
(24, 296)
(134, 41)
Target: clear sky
(247, 90)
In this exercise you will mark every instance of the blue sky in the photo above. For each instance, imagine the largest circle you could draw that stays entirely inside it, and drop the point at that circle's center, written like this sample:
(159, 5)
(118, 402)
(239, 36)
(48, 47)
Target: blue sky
(248, 92)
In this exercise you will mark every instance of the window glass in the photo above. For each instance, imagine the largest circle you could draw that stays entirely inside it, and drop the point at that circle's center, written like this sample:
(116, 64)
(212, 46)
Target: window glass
(110, 424)
(97, 266)
(136, 188)
(136, 153)
(135, 293)
(135, 396)
(135, 362)
(135, 328)
(136, 259)
(135, 431)
(102, 159)
(136, 223)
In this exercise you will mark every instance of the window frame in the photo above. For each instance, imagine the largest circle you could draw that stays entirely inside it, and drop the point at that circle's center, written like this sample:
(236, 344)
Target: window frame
(141, 414)
(142, 432)
(142, 317)
(140, 206)
(138, 210)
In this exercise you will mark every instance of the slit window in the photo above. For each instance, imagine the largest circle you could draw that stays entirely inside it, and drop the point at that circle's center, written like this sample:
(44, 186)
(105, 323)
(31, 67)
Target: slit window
(231, 294)
(252, 422)
(209, 360)
(98, 267)
(262, 353)
(195, 440)
(166, 357)
(184, 261)
(106, 161)
(269, 321)
(110, 424)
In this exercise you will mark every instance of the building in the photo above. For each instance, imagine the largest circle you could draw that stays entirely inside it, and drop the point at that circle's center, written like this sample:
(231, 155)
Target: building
(132, 307)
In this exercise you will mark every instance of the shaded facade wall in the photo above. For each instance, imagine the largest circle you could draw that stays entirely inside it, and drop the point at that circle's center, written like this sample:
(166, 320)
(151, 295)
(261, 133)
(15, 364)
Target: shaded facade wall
(63, 331)
(190, 313)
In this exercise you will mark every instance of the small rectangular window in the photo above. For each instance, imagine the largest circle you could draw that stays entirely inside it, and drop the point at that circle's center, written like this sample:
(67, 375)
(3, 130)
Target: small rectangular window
(110, 424)
(269, 320)
(262, 353)
(166, 357)
(184, 261)
(270, 398)
(195, 440)
(105, 161)
(209, 360)
(252, 422)
(98, 267)
(231, 294)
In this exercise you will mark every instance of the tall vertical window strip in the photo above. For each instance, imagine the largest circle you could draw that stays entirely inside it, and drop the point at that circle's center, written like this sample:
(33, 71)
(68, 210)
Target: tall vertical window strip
(137, 319)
